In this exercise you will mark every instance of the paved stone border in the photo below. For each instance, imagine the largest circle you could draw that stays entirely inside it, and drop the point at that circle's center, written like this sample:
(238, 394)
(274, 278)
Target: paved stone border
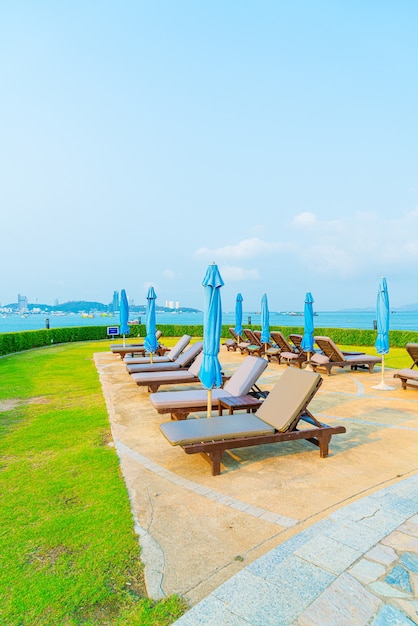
(359, 566)
(185, 483)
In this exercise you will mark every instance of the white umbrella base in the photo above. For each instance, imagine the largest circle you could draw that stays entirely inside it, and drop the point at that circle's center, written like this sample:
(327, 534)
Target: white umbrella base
(383, 386)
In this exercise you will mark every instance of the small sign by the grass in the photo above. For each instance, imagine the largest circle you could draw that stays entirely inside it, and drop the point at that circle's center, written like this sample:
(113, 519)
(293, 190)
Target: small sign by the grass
(112, 330)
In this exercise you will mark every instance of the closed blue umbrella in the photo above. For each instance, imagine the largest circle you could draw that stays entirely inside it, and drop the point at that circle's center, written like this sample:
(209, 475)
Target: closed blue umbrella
(238, 315)
(307, 343)
(265, 321)
(210, 370)
(382, 318)
(150, 341)
(124, 315)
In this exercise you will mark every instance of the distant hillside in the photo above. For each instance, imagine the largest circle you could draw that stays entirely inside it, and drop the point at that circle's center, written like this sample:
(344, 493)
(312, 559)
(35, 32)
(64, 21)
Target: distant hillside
(79, 306)
(404, 307)
(407, 307)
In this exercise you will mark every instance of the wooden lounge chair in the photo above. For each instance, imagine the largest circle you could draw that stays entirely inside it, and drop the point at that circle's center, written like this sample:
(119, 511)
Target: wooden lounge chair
(171, 355)
(332, 356)
(284, 352)
(255, 347)
(296, 340)
(237, 342)
(409, 376)
(181, 403)
(135, 348)
(184, 376)
(277, 420)
(184, 361)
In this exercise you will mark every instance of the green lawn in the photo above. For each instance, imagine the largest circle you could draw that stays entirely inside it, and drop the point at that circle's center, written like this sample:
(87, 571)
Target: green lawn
(68, 550)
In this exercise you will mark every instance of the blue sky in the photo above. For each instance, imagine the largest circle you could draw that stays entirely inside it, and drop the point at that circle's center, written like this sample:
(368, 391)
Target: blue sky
(141, 141)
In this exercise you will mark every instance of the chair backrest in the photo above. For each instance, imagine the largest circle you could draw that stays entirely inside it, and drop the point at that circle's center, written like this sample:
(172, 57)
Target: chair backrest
(187, 357)
(289, 398)
(178, 348)
(281, 341)
(195, 366)
(330, 349)
(296, 340)
(158, 334)
(233, 333)
(412, 349)
(245, 376)
(252, 338)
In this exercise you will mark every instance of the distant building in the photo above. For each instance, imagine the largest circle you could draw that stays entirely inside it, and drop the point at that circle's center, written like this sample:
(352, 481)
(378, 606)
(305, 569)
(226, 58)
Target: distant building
(22, 303)
(115, 301)
(177, 305)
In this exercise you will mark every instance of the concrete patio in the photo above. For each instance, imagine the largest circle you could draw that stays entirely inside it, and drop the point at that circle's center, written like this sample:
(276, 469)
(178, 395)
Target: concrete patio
(281, 536)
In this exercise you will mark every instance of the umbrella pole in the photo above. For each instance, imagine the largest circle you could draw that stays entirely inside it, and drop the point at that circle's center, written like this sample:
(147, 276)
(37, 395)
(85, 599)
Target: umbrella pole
(382, 385)
(150, 357)
(209, 402)
(309, 367)
(124, 340)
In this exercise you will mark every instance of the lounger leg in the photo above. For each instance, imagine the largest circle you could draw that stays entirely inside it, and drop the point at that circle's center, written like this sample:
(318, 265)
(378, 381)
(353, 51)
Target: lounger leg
(215, 458)
(179, 415)
(324, 440)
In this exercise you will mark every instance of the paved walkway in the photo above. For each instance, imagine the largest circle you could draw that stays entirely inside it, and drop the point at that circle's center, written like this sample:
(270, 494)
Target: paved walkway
(359, 566)
(281, 536)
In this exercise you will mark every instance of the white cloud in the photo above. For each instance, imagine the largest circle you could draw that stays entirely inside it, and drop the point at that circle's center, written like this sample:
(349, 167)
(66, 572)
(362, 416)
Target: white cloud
(246, 249)
(305, 219)
(169, 274)
(350, 248)
(232, 273)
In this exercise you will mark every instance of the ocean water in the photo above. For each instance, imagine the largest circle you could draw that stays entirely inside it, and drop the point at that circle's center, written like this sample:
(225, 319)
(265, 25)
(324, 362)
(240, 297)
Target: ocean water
(399, 320)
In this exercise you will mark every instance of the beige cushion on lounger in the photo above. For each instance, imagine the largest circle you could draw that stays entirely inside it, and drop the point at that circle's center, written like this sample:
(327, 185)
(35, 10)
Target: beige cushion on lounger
(319, 359)
(214, 429)
(287, 398)
(239, 384)
(185, 359)
(245, 376)
(166, 376)
(171, 355)
(407, 373)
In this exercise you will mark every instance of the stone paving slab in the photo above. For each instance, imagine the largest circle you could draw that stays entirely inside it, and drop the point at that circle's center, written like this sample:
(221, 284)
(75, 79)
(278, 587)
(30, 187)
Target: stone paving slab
(312, 580)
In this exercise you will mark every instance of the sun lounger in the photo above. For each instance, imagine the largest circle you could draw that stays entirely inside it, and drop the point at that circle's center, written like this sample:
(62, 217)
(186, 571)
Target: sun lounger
(255, 347)
(184, 361)
(236, 342)
(134, 348)
(277, 420)
(409, 376)
(332, 356)
(185, 376)
(283, 351)
(181, 403)
(171, 355)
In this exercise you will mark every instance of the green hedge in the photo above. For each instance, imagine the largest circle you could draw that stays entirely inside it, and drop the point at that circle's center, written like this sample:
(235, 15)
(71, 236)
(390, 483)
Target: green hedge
(16, 342)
